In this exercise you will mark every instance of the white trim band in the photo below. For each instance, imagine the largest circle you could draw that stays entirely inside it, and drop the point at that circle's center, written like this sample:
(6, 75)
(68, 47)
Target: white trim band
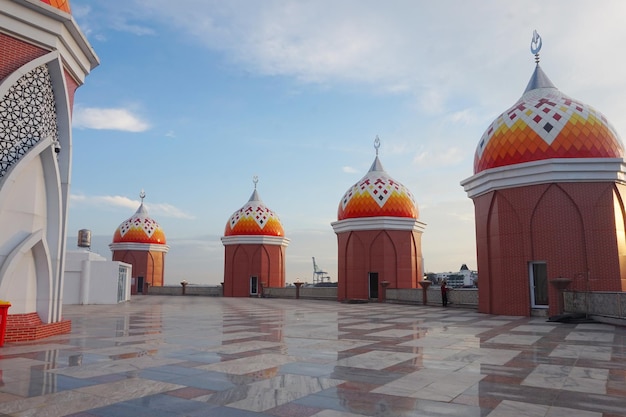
(378, 223)
(147, 247)
(255, 240)
(546, 171)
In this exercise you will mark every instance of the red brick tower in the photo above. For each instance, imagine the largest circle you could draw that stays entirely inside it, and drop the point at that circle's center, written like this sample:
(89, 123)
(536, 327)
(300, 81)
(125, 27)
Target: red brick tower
(379, 237)
(548, 189)
(254, 244)
(140, 241)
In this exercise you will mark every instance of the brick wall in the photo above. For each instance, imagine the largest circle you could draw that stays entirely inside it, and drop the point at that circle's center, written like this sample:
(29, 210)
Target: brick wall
(14, 53)
(24, 327)
(575, 228)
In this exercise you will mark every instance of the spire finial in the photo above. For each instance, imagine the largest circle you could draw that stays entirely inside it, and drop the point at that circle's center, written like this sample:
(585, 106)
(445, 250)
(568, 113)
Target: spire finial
(142, 195)
(377, 144)
(255, 180)
(535, 46)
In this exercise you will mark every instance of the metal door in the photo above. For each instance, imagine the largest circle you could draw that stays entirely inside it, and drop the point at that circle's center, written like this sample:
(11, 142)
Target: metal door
(538, 272)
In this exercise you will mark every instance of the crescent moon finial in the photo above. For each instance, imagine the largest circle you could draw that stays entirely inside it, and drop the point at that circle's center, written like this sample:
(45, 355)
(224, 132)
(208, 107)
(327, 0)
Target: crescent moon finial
(535, 45)
(377, 144)
(142, 195)
(255, 180)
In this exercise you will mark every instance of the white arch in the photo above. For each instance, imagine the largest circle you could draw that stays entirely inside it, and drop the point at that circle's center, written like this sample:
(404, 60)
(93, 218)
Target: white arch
(49, 250)
(34, 242)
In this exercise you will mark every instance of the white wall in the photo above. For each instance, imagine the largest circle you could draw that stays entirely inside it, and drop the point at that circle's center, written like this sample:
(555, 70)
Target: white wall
(91, 279)
(22, 212)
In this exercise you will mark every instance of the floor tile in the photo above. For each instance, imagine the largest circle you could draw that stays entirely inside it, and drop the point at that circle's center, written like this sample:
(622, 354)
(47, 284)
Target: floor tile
(230, 357)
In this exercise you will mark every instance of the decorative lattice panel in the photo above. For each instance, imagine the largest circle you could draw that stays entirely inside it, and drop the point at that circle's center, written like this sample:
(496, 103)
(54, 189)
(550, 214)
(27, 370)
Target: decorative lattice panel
(27, 115)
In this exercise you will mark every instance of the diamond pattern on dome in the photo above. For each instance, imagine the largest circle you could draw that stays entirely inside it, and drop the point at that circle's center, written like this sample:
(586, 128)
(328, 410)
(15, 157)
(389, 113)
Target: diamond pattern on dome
(546, 124)
(376, 194)
(146, 224)
(254, 219)
(139, 229)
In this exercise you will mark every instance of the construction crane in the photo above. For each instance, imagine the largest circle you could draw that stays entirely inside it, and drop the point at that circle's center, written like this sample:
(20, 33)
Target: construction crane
(319, 276)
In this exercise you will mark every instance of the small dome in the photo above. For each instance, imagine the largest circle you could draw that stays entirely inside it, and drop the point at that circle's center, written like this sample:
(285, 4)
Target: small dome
(254, 218)
(377, 195)
(63, 5)
(546, 124)
(139, 229)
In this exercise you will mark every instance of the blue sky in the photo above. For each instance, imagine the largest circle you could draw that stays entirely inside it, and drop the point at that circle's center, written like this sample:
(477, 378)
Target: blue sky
(195, 97)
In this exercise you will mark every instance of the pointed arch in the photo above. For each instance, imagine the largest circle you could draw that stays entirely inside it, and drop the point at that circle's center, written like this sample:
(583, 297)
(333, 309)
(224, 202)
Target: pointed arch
(383, 257)
(620, 230)
(352, 279)
(506, 283)
(32, 249)
(43, 107)
(557, 232)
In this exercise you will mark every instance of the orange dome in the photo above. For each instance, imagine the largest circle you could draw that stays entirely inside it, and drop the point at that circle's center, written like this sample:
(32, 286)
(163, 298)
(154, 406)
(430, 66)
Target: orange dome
(546, 124)
(254, 219)
(139, 229)
(59, 4)
(377, 195)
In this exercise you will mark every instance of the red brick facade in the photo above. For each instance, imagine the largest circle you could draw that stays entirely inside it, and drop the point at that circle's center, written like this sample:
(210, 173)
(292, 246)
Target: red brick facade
(395, 255)
(577, 229)
(14, 53)
(243, 261)
(149, 265)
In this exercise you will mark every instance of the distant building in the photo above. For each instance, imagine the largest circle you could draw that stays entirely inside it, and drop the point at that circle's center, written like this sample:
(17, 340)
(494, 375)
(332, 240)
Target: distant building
(464, 278)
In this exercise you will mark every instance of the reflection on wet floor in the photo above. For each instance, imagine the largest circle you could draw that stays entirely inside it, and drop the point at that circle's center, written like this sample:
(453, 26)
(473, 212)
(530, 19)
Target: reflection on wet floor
(194, 356)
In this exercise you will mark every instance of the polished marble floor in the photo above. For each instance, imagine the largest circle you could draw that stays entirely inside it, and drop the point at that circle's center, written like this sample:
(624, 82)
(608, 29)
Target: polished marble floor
(238, 357)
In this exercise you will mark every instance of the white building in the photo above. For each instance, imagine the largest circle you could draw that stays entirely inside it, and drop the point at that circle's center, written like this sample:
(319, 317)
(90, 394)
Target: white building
(463, 278)
(92, 279)
(44, 59)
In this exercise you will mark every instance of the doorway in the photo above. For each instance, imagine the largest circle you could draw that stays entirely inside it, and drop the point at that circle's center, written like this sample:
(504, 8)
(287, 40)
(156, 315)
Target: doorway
(373, 282)
(538, 272)
(122, 279)
(254, 285)
(139, 284)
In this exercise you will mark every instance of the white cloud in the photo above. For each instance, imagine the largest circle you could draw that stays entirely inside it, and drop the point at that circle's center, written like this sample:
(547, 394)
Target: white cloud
(168, 210)
(349, 170)
(138, 30)
(465, 117)
(116, 201)
(445, 157)
(108, 119)
(110, 201)
(421, 48)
